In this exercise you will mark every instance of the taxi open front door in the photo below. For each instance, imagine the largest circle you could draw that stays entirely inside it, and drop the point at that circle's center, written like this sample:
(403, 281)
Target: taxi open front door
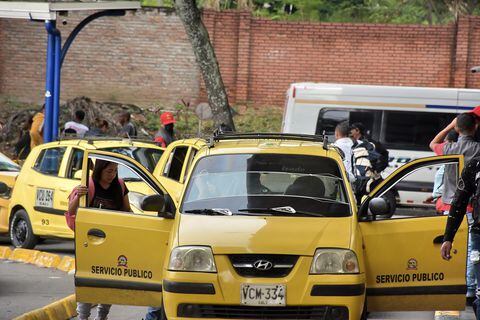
(404, 267)
(120, 255)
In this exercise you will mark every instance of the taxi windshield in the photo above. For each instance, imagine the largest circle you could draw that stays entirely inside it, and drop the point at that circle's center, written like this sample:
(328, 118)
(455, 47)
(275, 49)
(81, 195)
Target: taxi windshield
(266, 184)
(148, 157)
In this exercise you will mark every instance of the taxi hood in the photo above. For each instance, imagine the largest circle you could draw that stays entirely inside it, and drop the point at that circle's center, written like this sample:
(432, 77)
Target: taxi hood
(269, 235)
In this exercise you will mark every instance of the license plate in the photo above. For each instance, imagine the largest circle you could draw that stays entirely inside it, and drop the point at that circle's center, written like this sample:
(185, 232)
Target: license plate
(44, 198)
(263, 294)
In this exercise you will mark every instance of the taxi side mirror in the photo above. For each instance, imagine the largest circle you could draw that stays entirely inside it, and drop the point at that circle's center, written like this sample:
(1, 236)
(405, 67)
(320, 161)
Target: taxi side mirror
(3, 188)
(154, 202)
(378, 207)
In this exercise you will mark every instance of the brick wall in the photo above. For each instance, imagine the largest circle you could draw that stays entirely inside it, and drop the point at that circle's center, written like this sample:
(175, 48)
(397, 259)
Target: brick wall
(146, 58)
(142, 58)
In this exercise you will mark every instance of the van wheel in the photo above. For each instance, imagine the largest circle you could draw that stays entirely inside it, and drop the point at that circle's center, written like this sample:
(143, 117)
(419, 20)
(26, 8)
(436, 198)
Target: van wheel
(21, 232)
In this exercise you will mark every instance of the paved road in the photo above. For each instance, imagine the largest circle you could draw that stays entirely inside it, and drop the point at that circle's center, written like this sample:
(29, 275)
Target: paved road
(26, 287)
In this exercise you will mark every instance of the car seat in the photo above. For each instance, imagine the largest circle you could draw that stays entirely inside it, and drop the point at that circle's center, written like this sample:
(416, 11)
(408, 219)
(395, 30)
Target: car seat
(307, 186)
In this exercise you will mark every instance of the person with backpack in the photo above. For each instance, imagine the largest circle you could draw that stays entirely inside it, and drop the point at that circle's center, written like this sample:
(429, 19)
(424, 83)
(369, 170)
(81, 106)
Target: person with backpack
(344, 143)
(369, 159)
(105, 190)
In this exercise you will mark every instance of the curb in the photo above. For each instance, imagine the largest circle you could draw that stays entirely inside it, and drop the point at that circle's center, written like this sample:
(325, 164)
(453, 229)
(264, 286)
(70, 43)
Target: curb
(38, 258)
(61, 309)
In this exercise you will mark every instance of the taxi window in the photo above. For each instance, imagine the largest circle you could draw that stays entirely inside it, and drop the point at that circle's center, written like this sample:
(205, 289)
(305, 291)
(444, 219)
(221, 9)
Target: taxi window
(419, 193)
(75, 163)
(49, 160)
(148, 157)
(255, 183)
(174, 167)
(135, 188)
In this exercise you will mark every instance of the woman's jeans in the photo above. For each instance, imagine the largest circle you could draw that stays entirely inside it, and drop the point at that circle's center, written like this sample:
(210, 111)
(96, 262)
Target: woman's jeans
(475, 259)
(153, 313)
(83, 310)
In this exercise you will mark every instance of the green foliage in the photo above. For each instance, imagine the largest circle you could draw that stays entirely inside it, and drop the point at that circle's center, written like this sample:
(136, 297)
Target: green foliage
(265, 119)
(369, 11)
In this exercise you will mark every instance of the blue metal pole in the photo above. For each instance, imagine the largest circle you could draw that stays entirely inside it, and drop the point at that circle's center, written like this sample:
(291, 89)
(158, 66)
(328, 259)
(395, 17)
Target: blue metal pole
(47, 126)
(56, 86)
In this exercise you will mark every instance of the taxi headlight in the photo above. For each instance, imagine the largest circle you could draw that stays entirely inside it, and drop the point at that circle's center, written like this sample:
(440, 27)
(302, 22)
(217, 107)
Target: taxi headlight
(334, 261)
(192, 258)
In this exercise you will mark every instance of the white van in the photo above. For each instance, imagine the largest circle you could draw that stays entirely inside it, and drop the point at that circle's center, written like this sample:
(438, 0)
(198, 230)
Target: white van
(403, 119)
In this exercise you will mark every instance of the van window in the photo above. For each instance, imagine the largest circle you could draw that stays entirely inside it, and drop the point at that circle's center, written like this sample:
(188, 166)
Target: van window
(329, 118)
(422, 127)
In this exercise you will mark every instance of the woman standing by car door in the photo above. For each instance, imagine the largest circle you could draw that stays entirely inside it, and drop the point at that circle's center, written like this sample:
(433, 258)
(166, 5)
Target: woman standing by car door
(105, 191)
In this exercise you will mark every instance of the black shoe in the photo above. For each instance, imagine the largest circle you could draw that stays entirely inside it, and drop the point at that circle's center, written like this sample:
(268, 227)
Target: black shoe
(470, 301)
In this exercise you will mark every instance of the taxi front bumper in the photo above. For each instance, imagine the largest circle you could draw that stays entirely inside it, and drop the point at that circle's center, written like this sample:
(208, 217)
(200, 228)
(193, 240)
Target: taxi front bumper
(193, 295)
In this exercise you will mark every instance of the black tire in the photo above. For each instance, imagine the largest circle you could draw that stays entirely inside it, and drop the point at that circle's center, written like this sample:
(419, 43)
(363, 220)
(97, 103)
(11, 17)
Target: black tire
(21, 232)
(364, 315)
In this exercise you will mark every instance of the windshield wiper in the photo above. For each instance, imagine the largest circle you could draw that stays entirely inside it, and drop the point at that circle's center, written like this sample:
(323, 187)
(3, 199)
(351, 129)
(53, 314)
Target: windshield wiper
(281, 211)
(212, 212)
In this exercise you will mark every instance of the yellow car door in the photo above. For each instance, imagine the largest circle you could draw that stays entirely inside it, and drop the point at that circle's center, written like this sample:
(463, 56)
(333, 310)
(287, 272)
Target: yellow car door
(120, 255)
(402, 253)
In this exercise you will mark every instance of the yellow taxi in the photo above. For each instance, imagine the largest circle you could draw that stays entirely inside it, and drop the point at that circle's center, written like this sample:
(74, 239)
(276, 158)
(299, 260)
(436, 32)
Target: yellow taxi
(35, 209)
(267, 227)
(9, 171)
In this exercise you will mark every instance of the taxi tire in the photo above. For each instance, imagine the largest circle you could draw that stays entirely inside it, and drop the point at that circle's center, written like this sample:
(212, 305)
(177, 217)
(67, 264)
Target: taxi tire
(21, 217)
(364, 315)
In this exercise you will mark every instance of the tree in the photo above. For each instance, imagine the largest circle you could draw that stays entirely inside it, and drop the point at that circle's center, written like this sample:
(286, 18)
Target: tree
(206, 60)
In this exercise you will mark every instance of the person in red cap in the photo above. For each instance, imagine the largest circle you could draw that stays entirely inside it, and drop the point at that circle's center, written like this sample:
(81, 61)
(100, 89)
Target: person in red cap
(165, 135)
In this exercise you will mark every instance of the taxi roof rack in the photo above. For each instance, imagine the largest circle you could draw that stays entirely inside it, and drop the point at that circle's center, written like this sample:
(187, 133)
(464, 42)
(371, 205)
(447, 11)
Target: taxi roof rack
(93, 139)
(276, 136)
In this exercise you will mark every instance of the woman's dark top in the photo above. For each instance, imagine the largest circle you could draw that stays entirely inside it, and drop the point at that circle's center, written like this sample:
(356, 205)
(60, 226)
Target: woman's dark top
(105, 198)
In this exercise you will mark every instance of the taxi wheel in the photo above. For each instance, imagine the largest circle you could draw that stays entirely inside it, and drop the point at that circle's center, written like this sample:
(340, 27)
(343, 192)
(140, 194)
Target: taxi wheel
(364, 315)
(21, 232)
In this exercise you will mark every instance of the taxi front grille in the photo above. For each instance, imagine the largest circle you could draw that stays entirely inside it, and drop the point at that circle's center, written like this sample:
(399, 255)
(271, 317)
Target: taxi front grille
(252, 312)
(245, 265)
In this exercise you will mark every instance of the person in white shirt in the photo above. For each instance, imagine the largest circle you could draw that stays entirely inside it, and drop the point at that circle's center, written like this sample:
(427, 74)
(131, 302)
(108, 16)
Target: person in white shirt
(76, 125)
(345, 144)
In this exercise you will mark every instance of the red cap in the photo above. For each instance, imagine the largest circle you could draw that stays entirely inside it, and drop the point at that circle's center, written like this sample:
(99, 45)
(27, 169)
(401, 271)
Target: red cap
(167, 118)
(476, 111)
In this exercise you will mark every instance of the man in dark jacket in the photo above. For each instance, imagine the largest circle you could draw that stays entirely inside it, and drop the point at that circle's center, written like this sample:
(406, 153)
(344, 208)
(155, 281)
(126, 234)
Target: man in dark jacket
(468, 186)
(165, 135)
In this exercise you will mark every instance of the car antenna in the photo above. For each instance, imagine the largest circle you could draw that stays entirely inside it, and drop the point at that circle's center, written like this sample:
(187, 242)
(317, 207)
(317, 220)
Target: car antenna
(325, 141)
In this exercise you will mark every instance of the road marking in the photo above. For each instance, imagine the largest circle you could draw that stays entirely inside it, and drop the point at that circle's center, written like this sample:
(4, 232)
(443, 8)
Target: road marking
(447, 315)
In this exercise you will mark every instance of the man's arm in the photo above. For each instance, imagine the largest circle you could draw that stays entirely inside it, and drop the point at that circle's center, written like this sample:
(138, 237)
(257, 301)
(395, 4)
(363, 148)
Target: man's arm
(440, 137)
(465, 189)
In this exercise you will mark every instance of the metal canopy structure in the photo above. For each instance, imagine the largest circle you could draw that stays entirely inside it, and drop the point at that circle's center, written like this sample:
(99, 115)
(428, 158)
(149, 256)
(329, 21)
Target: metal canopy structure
(48, 12)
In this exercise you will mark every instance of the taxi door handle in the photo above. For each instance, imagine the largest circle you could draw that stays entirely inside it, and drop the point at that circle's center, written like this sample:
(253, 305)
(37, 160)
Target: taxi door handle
(96, 233)
(64, 189)
(438, 239)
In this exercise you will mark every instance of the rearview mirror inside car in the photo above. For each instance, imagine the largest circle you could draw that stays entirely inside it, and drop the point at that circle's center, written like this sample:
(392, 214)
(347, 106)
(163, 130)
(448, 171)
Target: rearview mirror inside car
(3, 188)
(378, 206)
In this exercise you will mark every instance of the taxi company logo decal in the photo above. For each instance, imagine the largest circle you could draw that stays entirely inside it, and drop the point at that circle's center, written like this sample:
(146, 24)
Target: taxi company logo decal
(122, 261)
(122, 270)
(412, 264)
